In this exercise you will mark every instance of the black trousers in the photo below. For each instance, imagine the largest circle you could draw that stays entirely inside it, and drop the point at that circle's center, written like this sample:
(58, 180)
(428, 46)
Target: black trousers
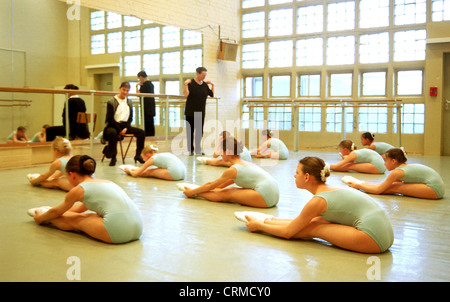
(195, 123)
(54, 131)
(112, 136)
(149, 125)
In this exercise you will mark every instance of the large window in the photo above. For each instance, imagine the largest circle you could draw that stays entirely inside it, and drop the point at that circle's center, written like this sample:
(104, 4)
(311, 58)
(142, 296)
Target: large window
(144, 45)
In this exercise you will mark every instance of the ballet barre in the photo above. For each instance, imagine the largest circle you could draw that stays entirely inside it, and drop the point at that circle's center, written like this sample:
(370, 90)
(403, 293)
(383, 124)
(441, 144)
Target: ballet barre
(294, 104)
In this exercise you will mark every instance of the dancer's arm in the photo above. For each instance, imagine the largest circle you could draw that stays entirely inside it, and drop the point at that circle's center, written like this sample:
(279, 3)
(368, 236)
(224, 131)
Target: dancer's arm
(139, 171)
(228, 175)
(379, 188)
(347, 160)
(74, 195)
(55, 166)
(311, 210)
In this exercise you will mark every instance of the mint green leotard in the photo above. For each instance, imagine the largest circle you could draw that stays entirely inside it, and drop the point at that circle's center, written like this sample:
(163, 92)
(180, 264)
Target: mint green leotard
(278, 146)
(382, 148)
(245, 155)
(35, 138)
(417, 173)
(173, 164)
(254, 177)
(121, 217)
(63, 161)
(354, 208)
(370, 156)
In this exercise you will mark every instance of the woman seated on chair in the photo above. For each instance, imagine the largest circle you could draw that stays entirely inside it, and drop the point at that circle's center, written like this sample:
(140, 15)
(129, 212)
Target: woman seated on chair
(119, 115)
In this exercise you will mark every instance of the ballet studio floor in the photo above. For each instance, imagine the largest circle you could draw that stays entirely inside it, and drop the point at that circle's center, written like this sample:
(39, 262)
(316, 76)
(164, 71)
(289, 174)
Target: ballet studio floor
(196, 240)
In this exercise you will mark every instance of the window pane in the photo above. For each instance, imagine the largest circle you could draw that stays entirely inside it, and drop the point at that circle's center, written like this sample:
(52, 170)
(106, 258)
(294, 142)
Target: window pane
(98, 20)
(341, 16)
(130, 21)
(170, 36)
(309, 118)
(253, 86)
(280, 117)
(372, 118)
(172, 87)
(281, 85)
(192, 37)
(132, 40)
(374, 83)
(374, 48)
(171, 62)
(413, 117)
(151, 38)
(341, 50)
(440, 10)
(253, 25)
(252, 3)
(310, 19)
(253, 55)
(280, 53)
(409, 45)
(192, 58)
(132, 65)
(280, 22)
(409, 82)
(114, 42)
(309, 85)
(341, 84)
(410, 12)
(373, 13)
(151, 63)
(113, 20)
(309, 52)
(97, 44)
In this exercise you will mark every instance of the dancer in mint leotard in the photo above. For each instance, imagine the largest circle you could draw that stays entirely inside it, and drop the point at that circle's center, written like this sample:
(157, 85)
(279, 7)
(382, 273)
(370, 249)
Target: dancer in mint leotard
(257, 187)
(169, 166)
(55, 176)
(271, 148)
(347, 218)
(414, 180)
(217, 159)
(364, 161)
(116, 219)
(367, 139)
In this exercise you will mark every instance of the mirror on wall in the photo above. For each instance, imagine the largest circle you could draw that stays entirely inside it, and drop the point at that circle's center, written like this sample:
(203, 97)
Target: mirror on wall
(94, 50)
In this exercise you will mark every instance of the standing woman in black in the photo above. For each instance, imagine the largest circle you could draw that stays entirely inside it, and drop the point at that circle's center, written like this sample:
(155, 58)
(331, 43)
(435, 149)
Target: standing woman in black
(197, 91)
(119, 114)
(146, 86)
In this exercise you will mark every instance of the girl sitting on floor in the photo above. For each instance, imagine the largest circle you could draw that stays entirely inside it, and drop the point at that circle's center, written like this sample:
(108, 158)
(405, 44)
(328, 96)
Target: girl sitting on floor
(116, 219)
(414, 180)
(347, 218)
(169, 167)
(364, 161)
(257, 188)
(55, 177)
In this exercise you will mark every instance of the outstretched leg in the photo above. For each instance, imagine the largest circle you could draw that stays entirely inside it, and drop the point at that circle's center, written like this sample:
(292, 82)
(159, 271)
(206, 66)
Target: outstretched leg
(89, 223)
(359, 167)
(242, 196)
(157, 173)
(346, 237)
(413, 190)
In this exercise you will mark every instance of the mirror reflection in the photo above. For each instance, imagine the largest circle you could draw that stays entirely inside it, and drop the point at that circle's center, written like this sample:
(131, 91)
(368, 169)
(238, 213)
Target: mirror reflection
(97, 51)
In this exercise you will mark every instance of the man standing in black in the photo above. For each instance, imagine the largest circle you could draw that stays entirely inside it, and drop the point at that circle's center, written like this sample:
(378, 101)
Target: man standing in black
(197, 91)
(146, 86)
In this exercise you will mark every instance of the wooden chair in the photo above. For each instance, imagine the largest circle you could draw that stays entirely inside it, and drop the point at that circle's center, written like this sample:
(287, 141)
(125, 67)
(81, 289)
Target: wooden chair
(122, 154)
(84, 118)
